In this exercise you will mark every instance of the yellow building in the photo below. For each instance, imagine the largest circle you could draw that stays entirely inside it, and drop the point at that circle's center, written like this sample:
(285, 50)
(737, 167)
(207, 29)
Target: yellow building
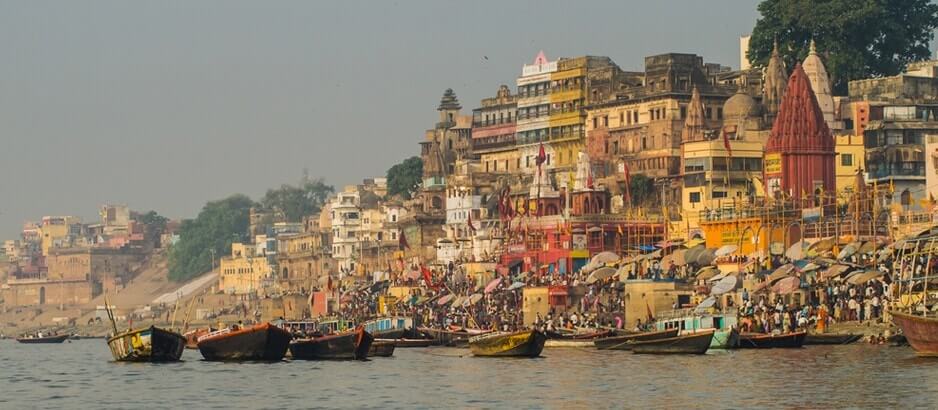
(716, 182)
(56, 231)
(244, 271)
(850, 157)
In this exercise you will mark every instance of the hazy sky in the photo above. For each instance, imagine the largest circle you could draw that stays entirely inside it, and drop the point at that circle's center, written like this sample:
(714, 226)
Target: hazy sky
(167, 104)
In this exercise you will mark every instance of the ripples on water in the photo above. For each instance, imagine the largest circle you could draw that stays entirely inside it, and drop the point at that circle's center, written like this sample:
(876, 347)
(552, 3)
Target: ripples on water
(80, 374)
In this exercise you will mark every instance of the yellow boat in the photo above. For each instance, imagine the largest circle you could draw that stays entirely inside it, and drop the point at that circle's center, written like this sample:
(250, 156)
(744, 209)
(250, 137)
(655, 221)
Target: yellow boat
(526, 343)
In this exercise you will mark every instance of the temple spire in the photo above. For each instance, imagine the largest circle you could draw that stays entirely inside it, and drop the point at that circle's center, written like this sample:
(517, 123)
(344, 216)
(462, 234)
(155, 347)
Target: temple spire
(774, 84)
(694, 127)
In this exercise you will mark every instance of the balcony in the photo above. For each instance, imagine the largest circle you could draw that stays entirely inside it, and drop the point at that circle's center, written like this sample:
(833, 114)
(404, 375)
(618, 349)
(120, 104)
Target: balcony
(915, 169)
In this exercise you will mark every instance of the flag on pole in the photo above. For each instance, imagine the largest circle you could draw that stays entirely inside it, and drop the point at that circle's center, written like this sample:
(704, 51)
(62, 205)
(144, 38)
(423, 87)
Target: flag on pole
(402, 240)
(627, 193)
(619, 230)
(472, 228)
(726, 143)
(541, 157)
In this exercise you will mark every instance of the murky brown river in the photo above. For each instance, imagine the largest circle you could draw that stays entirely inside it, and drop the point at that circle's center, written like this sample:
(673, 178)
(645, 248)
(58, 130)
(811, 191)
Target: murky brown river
(80, 375)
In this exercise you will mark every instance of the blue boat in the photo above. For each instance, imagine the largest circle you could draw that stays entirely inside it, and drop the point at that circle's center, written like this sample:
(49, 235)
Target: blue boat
(691, 321)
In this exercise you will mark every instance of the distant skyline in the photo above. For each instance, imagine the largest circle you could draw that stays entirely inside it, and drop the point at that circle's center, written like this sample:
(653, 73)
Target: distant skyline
(166, 105)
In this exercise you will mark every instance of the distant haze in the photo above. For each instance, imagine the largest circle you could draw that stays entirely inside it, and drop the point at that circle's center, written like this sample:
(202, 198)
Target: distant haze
(165, 105)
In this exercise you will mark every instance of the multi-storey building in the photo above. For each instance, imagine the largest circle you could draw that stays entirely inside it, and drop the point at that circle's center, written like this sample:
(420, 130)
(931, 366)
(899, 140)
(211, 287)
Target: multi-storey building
(493, 132)
(245, 271)
(896, 116)
(346, 221)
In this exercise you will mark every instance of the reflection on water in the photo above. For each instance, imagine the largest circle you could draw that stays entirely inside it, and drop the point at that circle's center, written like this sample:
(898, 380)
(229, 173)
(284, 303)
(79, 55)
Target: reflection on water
(79, 374)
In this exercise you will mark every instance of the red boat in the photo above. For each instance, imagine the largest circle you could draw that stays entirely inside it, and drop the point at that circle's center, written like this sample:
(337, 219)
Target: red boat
(769, 340)
(340, 346)
(921, 332)
(263, 342)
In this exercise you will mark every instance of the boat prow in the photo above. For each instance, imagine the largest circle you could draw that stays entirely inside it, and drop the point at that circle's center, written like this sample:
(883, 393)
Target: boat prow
(526, 343)
(149, 344)
(921, 332)
(262, 342)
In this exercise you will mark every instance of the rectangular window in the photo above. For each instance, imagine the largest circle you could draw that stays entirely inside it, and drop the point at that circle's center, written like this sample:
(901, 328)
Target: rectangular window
(719, 194)
(695, 197)
(846, 160)
(635, 117)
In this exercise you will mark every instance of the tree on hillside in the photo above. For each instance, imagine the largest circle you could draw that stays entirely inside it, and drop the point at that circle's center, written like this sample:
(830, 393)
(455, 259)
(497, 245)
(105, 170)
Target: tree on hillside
(218, 224)
(298, 201)
(404, 178)
(154, 224)
(856, 39)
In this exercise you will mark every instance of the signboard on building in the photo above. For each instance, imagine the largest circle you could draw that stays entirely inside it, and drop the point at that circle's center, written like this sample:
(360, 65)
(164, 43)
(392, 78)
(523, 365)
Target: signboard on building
(773, 163)
(579, 241)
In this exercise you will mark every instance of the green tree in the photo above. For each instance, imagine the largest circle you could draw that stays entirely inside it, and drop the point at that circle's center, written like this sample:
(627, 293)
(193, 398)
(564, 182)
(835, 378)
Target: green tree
(642, 190)
(404, 178)
(218, 224)
(298, 201)
(154, 225)
(856, 39)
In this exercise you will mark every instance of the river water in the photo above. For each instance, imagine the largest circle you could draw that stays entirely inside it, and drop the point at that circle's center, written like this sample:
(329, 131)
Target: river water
(80, 374)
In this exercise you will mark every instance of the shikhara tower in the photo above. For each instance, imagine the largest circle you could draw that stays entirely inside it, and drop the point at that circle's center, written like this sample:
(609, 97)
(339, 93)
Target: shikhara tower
(799, 155)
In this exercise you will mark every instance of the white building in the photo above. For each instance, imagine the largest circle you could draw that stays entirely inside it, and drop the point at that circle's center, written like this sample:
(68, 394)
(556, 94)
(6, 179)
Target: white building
(346, 223)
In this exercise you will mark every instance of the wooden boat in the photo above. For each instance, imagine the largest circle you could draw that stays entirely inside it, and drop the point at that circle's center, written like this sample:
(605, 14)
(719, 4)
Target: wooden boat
(725, 339)
(526, 343)
(695, 343)
(576, 343)
(766, 340)
(567, 335)
(381, 349)
(44, 339)
(263, 342)
(393, 327)
(450, 338)
(831, 338)
(619, 341)
(409, 342)
(149, 344)
(192, 337)
(920, 332)
(340, 346)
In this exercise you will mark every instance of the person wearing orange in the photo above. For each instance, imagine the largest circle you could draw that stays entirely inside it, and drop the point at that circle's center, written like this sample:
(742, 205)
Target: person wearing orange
(822, 319)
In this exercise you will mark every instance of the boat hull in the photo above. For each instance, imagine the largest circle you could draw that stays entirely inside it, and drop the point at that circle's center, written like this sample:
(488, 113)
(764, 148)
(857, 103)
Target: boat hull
(831, 339)
(920, 332)
(41, 340)
(409, 342)
(725, 339)
(527, 343)
(264, 342)
(343, 346)
(768, 341)
(381, 349)
(389, 334)
(571, 343)
(622, 342)
(150, 344)
(697, 343)
(447, 338)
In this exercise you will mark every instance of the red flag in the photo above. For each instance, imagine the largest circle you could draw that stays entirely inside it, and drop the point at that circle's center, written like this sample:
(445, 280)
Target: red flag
(329, 285)
(627, 194)
(402, 241)
(469, 222)
(541, 156)
(427, 276)
(726, 143)
(648, 310)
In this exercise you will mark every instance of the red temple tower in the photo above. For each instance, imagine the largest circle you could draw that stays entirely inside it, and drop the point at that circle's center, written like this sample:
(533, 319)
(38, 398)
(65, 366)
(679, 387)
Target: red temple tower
(799, 155)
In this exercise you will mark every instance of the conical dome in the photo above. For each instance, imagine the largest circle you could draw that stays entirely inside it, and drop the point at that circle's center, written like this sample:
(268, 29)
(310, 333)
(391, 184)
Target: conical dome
(741, 106)
(449, 101)
(820, 83)
(774, 83)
